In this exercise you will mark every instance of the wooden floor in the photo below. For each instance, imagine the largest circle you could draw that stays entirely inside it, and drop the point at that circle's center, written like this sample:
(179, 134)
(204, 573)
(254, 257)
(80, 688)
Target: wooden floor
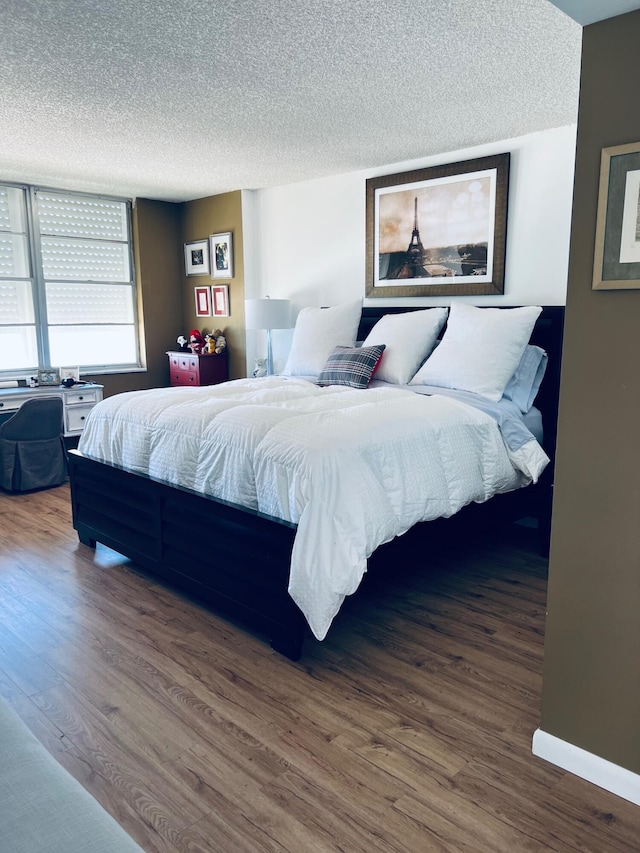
(408, 730)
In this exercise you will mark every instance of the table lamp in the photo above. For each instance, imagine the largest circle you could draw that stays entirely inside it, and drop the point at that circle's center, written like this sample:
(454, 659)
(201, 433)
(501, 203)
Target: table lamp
(267, 314)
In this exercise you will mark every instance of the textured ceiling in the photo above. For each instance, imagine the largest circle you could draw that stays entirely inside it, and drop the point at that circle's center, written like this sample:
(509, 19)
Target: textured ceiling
(179, 100)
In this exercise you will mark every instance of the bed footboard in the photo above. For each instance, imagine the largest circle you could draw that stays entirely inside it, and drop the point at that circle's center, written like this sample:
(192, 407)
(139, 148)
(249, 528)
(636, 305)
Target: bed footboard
(171, 533)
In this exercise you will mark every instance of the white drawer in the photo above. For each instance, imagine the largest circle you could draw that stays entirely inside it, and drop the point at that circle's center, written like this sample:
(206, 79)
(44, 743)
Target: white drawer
(76, 417)
(91, 395)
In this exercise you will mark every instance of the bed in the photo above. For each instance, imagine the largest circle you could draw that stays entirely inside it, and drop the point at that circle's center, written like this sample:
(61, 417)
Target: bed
(228, 500)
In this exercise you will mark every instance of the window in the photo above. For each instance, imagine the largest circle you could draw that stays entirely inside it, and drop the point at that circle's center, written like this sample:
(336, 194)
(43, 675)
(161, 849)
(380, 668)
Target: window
(67, 290)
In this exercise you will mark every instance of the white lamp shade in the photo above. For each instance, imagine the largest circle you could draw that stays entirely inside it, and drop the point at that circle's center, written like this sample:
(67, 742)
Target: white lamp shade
(267, 313)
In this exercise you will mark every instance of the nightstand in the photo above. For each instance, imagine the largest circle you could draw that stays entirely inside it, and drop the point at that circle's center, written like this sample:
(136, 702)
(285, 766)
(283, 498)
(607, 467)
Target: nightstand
(188, 369)
(78, 402)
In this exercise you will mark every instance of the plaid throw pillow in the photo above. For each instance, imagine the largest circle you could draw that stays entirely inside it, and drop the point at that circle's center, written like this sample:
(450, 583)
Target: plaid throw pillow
(352, 366)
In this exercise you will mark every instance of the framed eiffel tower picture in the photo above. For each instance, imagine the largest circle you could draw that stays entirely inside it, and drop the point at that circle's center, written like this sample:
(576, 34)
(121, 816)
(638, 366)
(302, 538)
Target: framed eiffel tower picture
(439, 231)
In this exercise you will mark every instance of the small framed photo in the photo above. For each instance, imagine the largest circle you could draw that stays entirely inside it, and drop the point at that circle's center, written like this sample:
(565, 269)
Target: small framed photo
(221, 255)
(203, 301)
(70, 373)
(220, 300)
(196, 257)
(49, 376)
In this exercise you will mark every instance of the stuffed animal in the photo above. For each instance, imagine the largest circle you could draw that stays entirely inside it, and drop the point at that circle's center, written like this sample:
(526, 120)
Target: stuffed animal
(216, 342)
(183, 343)
(261, 367)
(196, 342)
(221, 341)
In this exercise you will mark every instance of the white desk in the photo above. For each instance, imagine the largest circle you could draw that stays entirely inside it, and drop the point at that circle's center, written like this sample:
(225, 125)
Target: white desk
(77, 402)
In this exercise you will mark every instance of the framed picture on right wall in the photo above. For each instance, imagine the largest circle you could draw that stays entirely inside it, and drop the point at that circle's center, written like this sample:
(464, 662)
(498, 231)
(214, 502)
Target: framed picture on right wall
(616, 260)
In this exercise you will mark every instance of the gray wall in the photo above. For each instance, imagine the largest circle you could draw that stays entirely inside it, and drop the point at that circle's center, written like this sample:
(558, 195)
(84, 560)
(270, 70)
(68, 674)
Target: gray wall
(591, 682)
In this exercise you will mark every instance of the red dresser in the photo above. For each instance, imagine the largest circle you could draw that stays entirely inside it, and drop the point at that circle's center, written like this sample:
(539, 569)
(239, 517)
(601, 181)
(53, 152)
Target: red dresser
(188, 369)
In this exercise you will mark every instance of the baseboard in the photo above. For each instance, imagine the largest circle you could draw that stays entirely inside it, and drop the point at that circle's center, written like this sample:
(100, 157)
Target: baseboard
(587, 766)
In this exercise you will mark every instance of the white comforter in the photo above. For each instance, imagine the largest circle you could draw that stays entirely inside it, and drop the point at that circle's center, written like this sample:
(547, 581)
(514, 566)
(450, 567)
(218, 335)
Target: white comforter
(352, 468)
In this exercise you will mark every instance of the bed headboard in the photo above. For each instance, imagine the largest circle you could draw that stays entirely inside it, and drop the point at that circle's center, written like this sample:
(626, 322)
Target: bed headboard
(547, 334)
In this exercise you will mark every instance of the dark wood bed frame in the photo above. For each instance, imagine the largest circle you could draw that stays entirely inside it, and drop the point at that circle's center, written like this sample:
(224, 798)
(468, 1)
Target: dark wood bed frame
(170, 531)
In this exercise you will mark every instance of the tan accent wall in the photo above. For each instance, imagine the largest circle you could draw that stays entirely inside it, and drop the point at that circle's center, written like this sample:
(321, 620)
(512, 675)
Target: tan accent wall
(591, 682)
(200, 219)
(159, 266)
(166, 306)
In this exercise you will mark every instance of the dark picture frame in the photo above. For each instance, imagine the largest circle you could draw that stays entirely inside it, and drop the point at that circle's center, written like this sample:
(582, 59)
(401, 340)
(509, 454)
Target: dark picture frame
(221, 255)
(196, 257)
(438, 231)
(616, 259)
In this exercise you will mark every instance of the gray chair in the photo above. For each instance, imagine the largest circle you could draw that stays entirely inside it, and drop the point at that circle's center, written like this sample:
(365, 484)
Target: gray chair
(32, 451)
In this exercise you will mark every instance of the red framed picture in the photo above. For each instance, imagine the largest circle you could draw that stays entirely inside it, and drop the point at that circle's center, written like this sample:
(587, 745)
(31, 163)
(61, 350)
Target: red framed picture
(220, 300)
(203, 301)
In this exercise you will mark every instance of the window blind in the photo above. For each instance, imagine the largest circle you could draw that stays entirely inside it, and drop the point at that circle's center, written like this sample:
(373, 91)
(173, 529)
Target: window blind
(67, 289)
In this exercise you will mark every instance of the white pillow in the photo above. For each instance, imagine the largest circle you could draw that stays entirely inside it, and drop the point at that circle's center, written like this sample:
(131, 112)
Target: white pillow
(409, 339)
(480, 349)
(318, 331)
